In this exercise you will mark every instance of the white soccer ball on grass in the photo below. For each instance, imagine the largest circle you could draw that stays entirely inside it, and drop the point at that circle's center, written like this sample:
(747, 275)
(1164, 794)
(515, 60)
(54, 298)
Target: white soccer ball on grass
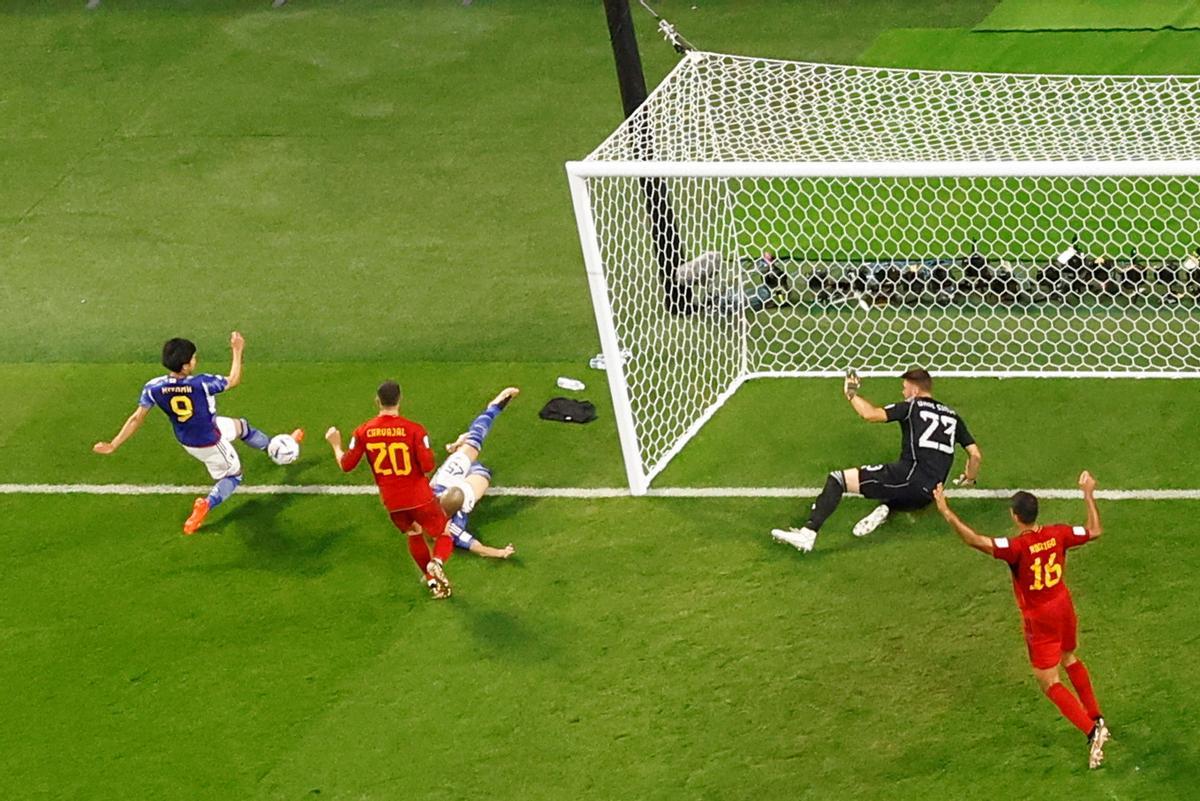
(283, 449)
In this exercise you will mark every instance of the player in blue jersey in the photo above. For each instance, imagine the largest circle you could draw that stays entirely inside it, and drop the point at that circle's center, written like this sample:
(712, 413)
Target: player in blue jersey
(462, 481)
(189, 400)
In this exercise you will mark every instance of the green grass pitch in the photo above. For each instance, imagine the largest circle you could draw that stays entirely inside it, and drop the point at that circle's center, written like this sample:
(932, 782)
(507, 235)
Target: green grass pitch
(374, 189)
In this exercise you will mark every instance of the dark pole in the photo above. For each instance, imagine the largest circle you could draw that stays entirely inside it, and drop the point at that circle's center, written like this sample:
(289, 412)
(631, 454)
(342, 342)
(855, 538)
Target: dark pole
(668, 248)
(625, 51)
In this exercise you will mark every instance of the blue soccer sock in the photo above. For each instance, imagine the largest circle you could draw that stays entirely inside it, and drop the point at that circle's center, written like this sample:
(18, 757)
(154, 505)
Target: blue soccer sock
(222, 490)
(253, 437)
(482, 425)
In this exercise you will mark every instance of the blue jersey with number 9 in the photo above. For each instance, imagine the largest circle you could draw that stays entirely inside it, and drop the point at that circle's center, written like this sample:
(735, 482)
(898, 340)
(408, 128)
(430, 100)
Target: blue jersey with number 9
(191, 405)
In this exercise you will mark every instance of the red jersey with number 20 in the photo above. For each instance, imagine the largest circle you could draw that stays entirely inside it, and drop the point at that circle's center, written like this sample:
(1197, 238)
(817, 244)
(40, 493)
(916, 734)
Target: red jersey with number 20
(1038, 561)
(399, 457)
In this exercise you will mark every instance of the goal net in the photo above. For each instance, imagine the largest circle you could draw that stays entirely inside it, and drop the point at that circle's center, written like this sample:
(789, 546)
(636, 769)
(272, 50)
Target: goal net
(759, 218)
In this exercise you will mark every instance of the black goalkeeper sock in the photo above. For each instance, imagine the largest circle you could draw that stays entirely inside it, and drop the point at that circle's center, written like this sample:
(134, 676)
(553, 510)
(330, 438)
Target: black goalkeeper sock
(827, 501)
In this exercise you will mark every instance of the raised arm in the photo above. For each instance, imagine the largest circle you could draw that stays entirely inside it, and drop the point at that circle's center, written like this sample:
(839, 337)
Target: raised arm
(347, 460)
(866, 410)
(132, 424)
(237, 344)
(967, 534)
(1088, 484)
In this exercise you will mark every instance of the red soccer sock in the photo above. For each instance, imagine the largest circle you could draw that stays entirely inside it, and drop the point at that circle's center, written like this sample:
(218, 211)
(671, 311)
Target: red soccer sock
(1070, 707)
(443, 546)
(1082, 683)
(419, 551)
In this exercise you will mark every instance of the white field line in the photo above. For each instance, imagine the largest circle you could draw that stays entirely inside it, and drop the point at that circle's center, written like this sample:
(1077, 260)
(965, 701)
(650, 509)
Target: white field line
(566, 492)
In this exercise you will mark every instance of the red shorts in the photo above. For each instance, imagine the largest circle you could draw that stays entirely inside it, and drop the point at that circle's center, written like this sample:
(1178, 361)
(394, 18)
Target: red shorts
(430, 517)
(1050, 630)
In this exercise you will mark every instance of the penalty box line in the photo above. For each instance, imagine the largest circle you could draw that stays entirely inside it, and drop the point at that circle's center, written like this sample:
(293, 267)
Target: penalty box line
(570, 492)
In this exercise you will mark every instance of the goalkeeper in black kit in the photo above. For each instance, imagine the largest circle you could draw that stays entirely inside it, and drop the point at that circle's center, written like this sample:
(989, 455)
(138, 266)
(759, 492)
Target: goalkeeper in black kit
(929, 430)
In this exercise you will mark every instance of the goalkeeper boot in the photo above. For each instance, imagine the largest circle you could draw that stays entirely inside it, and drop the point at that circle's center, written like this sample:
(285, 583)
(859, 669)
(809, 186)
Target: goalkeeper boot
(802, 539)
(1096, 741)
(199, 510)
(872, 521)
(435, 571)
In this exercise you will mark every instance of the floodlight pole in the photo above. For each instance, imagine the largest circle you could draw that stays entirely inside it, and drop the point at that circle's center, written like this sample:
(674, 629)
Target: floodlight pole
(668, 248)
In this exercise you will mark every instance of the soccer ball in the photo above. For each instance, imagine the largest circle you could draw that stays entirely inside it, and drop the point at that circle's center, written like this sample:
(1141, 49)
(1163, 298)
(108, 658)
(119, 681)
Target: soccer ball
(283, 449)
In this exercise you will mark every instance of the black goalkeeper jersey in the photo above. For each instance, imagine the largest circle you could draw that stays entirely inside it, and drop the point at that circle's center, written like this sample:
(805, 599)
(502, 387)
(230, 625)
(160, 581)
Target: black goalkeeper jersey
(928, 433)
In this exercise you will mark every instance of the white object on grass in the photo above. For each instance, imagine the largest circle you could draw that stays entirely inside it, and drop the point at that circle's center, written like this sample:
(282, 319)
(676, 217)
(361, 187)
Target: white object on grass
(283, 449)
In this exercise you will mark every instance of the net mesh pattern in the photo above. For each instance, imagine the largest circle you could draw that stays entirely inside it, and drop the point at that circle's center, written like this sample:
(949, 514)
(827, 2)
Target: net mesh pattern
(715, 279)
(716, 107)
(676, 364)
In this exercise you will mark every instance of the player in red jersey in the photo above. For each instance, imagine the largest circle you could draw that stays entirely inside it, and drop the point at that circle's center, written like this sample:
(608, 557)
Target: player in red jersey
(400, 459)
(1037, 557)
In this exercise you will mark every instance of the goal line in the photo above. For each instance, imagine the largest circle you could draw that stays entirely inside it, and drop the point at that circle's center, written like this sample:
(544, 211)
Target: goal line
(570, 492)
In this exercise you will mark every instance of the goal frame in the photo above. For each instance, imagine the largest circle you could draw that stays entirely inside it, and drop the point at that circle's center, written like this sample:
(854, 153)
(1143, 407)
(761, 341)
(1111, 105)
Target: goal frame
(579, 172)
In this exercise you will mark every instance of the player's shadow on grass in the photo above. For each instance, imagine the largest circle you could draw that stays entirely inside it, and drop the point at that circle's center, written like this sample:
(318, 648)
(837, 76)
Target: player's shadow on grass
(276, 546)
(295, 473)
(504, 633)
(495, 508)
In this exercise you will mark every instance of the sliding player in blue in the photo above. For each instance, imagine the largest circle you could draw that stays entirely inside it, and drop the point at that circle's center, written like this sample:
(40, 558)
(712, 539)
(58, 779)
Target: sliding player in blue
(189, 400)
(462, 481)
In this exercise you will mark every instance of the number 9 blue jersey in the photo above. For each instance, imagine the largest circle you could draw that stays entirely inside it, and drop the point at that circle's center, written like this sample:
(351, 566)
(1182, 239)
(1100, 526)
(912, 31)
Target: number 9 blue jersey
(191, 405)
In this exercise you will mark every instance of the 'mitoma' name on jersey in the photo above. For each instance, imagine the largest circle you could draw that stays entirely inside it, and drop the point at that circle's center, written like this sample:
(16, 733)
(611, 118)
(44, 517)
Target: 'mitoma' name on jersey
(190, 403)
(929, 430)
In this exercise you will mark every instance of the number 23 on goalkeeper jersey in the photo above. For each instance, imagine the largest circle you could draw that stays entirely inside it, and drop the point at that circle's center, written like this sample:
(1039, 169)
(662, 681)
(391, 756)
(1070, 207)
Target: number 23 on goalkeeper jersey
(929, 430)
(399, 457)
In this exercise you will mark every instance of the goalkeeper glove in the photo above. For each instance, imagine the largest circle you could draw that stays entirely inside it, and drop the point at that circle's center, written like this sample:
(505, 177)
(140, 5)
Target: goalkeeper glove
(851, 384)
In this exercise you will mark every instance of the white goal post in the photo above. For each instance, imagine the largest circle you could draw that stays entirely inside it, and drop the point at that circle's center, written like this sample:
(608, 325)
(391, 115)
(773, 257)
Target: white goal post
(759, 218)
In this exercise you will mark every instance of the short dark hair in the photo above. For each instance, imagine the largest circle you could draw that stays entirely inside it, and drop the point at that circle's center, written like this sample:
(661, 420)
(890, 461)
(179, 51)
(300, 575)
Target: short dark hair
(920, 377)
(177, 352)
(1025, 506)
(388, 393)
(452, 501)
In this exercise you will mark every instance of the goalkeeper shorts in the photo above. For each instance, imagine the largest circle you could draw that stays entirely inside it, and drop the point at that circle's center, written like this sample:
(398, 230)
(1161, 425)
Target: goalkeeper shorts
(898, 485)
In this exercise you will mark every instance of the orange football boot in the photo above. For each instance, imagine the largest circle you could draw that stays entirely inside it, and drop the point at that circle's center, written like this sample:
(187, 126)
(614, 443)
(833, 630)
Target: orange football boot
(199, 510)
(298, 435)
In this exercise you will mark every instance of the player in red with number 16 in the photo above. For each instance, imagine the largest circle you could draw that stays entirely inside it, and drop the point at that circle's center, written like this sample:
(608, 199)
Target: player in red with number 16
(400, 459)
(1037, 558)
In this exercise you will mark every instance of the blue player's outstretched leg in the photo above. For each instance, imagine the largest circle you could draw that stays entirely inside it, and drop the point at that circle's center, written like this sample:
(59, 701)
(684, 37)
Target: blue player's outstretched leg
(222, 490)
(253, 437)
(481, 426)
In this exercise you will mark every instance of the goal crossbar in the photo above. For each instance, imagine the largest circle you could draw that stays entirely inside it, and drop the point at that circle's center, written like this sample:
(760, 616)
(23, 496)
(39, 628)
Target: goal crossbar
(881, 169)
